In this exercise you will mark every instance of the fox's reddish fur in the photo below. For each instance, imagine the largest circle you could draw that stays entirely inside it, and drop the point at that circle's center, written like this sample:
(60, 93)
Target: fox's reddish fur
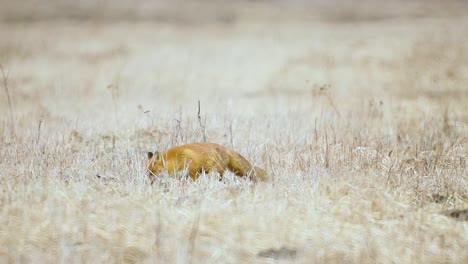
(202, 156)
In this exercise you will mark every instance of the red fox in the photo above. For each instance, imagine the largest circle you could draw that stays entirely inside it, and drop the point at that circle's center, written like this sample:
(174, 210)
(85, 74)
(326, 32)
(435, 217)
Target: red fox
(202, 156)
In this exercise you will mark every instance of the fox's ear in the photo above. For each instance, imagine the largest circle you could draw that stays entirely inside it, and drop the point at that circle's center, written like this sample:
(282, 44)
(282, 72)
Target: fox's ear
(157, 156)
(150, 155)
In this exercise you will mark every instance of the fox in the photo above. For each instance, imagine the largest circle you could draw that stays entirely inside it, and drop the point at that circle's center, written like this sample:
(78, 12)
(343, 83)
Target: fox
(202, 156)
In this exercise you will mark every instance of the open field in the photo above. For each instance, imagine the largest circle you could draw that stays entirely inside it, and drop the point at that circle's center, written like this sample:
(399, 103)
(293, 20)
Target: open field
(358, 112)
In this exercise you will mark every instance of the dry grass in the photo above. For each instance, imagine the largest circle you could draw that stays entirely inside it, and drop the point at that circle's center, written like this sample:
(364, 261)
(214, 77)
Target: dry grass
(359, 115)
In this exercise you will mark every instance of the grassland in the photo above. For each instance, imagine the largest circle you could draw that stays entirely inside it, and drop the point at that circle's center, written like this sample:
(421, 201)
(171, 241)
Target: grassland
(358, 112)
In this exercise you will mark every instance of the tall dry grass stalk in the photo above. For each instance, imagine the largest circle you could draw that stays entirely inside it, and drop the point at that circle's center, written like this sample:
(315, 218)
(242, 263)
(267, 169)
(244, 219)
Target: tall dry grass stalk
(7, 92)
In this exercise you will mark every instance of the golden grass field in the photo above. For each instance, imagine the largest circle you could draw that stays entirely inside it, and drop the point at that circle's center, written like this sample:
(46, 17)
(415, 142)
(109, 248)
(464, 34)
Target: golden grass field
(359, 113)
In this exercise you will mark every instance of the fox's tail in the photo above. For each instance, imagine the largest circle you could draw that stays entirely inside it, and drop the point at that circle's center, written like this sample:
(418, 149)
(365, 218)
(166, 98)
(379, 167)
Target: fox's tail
(241, 167)
(260, 174)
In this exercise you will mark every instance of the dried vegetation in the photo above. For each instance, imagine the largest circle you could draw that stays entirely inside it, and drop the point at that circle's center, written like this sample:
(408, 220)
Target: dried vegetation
(358, 113)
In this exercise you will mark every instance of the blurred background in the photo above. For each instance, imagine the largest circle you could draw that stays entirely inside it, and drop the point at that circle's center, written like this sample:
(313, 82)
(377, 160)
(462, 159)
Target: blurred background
(84, 58)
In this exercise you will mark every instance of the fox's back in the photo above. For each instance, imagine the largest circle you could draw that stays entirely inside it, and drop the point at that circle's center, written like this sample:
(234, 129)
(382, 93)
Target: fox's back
(200, 153)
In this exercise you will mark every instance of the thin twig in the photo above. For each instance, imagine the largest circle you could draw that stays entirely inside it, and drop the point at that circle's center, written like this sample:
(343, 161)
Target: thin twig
(5, 85)
(327, 151)
(231, 134)
(114, 91)
(177, 134)
(200, 122)
(39, 132)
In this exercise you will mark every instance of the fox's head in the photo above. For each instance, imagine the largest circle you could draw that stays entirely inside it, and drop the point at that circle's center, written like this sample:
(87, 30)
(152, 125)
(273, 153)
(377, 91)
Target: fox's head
(155, 163)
